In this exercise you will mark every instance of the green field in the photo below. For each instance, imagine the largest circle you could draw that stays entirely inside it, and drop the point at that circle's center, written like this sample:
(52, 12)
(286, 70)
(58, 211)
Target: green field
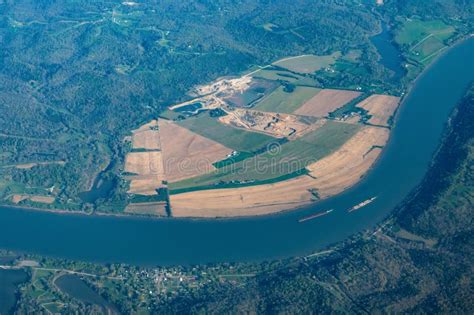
(233, 138)
(308, 63)
(414, 31)
(283, 102)
(284, 76)
(291, 157)
(423, 39)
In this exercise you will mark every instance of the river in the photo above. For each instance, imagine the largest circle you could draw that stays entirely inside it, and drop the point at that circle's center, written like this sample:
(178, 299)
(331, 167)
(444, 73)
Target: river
(416, 135)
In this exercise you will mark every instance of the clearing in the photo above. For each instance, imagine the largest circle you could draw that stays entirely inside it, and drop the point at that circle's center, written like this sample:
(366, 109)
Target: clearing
(233, 138)
(280, 101)
(325, 102)
(147, 208)
(307, 63)
(148, 172)
(34, 198)
(346, 166)
(187, 154)
(146, 137)
(380, 108)
(277, 125)
(283, 161)
(329, 176)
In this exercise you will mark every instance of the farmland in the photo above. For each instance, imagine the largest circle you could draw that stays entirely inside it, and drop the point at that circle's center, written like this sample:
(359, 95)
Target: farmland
(289, 157)
(325, 102)
(187, 154)
(307, 63)
(259, 143)
(236, 139)
(422, 40)
(281, 101)
(380, 108)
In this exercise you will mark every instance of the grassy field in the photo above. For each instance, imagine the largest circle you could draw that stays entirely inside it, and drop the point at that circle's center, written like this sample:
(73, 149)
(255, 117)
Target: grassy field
(288, 158)
(283, 102)
(308, 63)
(423, 39)
(284, 76)
(233, 138)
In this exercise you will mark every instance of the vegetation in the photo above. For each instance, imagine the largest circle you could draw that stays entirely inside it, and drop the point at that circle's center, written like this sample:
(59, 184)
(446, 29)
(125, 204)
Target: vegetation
(278, 161)
(281, 101)
(236, 139)
(308, 63)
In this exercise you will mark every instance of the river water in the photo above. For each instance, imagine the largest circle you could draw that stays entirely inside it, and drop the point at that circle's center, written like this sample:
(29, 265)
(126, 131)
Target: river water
(415, 138)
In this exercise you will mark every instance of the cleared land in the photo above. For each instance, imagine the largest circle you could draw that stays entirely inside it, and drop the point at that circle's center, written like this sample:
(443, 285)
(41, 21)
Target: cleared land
(245, 201)
(146, 137)
(233, 138)
(307, 63)
(284, 160)
(274, 124)
(148, 167)
(280, 101)
(346, 166)
(380, 107)
(325, 102)
(187, 154)
(334, 173)
(424, 39)
(147, 208)
(34, 198)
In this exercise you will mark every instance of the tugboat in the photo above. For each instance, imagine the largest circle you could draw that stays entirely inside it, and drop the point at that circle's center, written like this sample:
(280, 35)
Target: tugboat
(314, 216)
(362, 204)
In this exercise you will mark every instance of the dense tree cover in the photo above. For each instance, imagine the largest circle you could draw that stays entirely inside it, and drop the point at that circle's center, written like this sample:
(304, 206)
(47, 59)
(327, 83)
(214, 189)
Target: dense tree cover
(420, 260)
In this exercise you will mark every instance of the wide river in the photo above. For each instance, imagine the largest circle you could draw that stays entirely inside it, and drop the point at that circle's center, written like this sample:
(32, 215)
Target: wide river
(417, 133)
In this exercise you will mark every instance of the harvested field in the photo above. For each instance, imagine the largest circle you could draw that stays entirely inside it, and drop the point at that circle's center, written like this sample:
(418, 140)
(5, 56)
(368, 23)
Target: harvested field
(280, 101)
(146, 137)
(333, 174)
(148, 167)
(233, 138)
(34, 198)
(187, 154)
(307, 63)
(380, 107)
(147, 208)
(274, 124)
(325, 102)
(346, 166)
(245, 201)
(286, 159)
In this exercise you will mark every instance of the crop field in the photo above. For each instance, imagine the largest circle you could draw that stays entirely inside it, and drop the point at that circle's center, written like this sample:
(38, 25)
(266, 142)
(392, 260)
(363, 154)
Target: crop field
(34, 198)
(147, 208)
(414, 31)
(308, 63)
(187, 154)
(284, 76)
(280, 101)
(148, 170)
(343, 168)
(288, 158)
(329, 176)
(380, 107)
(325, 102)
(146, 137)
(244, 201)
(258, 89)
(424, 39)
(233, 138)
